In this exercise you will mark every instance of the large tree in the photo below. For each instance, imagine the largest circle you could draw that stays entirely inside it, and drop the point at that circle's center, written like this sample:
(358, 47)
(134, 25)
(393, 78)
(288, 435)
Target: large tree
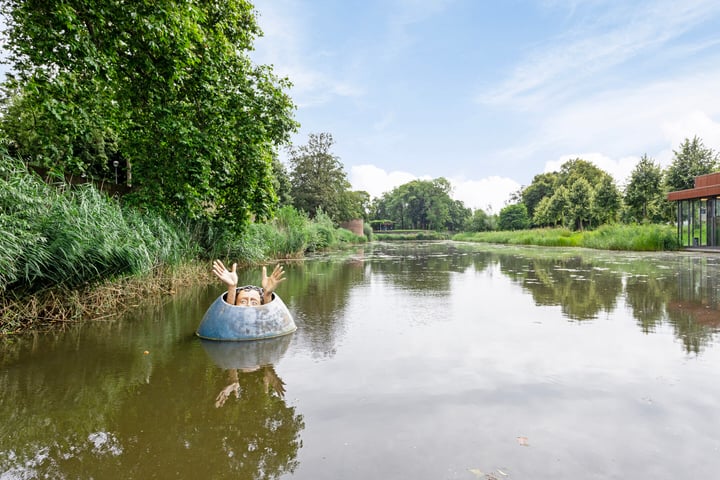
(579, 195)
(164, 87)
(606, 201)
(644, 194)
(543, 185)
(317, 178)
(479, 221)
(423, 204)
(691, 160)
(513, 217)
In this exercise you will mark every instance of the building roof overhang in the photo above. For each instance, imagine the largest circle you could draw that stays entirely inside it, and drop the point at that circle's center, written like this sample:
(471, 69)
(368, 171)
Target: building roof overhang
(705, 186)
(694, 193)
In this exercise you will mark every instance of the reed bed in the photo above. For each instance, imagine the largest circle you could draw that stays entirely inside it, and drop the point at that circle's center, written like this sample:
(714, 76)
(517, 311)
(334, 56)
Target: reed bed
(411, 235)
(70, 253)
(607, 237)
(57, 236)
(56, 307)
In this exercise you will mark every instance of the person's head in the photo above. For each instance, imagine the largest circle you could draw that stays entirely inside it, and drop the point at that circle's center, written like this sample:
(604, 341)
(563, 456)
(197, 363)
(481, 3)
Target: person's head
(249, 296)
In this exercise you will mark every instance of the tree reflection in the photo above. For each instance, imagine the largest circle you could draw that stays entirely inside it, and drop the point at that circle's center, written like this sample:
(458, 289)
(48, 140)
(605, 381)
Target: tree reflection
(647, 296)
(682, 291)
(317, 294)
(102, 422)
(692, 307)
(578, 287)
(423, 267)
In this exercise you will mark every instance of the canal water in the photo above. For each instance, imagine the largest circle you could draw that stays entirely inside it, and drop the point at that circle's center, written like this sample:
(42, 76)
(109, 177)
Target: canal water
(411, 361)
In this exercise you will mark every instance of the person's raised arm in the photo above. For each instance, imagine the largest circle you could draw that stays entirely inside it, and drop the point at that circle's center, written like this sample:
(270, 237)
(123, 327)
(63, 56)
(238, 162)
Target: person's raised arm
(228, 277)
(270, 283)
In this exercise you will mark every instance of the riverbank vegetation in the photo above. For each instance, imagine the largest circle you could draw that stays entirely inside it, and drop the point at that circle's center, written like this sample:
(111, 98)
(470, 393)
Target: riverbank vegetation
(70, 252)
(410, 235)
(578, 205)
(158, 146)
(606, 237)
(159, 143)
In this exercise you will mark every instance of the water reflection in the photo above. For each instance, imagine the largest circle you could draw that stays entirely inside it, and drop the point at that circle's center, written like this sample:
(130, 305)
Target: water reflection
(674, 289)
(248, 357)
(317, 294)
(582, 289)
(533, 360)
(140, 399)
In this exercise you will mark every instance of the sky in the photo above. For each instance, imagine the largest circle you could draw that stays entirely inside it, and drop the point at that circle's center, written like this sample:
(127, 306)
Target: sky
(490, 93)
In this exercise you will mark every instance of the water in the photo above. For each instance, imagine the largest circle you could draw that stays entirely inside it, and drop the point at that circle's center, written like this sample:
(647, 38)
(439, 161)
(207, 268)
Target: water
(418, 361)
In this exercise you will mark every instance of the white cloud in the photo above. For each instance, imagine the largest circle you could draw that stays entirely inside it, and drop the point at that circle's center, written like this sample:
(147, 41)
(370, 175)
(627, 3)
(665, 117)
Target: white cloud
(617, 127)
(694, 123)
(567, 65)
(488, 194)
(377, 181)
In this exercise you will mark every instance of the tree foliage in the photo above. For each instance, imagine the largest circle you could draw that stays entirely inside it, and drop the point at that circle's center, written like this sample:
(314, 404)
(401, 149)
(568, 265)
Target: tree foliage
(543, 185)
(693, 159)
(577, 196)
(423, 204)
(644, 193)
(606, 202)
(165, 88)
(318, 180)
(579, 202)
(513, 217)
(479, 221)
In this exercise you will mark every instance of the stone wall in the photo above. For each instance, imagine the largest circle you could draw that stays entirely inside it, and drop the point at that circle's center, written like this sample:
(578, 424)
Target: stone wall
(355, 226)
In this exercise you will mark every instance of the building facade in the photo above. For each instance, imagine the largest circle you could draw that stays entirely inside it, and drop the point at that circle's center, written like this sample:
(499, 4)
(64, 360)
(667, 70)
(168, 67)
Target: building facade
(698, 212)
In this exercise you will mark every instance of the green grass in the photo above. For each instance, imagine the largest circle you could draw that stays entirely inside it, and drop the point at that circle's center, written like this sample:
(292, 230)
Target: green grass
(607, 237)
(410, 235)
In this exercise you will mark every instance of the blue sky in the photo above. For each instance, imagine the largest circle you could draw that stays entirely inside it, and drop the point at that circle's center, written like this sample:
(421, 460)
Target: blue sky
(490, 93)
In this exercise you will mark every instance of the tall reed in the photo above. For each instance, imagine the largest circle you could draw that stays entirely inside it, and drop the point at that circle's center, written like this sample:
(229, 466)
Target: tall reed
(607, 237)
(71, 237)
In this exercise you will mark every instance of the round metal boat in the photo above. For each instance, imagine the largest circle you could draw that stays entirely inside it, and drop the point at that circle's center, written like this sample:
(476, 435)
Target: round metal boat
(248, 355)
(234, 323)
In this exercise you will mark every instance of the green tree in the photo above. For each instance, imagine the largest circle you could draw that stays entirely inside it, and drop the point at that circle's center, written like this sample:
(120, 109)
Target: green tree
(541, 217)
(542, 186)
(458, 216)
(606, 201)
(579, 203)
(281, 183)
(513, 217)
(693, 159)
(355, 204)
(479, 222)
(644, 192)
(317, 178)
(166, 88)
(579, 168)
(558, 206)
(422, 204)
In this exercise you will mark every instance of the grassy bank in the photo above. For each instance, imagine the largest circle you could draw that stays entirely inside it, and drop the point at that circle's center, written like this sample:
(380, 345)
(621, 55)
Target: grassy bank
(607, 237)
(74, 253)
(410, 235)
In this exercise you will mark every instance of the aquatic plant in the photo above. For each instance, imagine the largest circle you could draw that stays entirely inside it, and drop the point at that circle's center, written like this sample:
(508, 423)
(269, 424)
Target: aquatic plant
(607, 237)
(73, 236)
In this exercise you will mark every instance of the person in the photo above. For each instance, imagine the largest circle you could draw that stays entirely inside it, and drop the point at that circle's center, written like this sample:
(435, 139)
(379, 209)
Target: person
(248, 296)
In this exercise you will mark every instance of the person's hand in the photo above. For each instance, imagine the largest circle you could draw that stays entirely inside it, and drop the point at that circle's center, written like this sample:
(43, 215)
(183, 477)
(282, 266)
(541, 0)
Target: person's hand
(225, 393)
(228, 277)
(270, 283)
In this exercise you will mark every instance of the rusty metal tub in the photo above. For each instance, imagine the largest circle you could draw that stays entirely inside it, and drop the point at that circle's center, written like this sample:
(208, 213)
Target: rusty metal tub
(234, 323)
